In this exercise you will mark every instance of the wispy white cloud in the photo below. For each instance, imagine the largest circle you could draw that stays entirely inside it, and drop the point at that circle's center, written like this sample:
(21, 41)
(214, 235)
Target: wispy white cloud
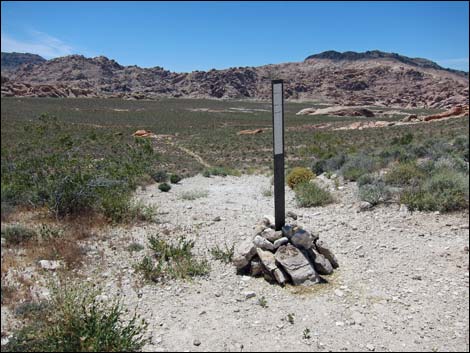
(40, 43)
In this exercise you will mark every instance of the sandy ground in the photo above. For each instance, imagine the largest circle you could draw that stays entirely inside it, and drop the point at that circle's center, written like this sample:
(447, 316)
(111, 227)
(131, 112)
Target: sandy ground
(402, 285)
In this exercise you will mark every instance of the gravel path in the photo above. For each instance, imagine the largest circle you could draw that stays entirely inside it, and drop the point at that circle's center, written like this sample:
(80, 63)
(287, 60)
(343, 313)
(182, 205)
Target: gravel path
(402, 285)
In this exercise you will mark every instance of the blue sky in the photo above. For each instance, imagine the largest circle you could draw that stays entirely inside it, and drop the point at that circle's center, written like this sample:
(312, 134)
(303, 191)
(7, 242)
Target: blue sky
(187, 36)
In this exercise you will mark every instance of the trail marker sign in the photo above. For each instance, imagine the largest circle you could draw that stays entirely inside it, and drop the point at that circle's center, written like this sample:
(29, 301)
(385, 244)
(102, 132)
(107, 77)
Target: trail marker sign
(278, 148)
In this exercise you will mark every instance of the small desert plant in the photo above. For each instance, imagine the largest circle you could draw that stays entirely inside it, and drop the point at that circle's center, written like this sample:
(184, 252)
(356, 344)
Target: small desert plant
(172, 261)
(368, 178)
(357, 166)
(160, 176)
(193, 194)
(225, 255)
(291, 318)
(263, 302)
(164, 187)
(267, 192)
(311, 195)
(135, 247)
(306, 334)
(75, 320)
(175, 178)
(407, 173)
(299, 175)
(374, 193)
(444, 191)
(17, 234)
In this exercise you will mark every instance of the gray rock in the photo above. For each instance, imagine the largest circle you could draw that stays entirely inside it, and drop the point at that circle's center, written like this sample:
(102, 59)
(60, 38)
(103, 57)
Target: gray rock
(249, 294)
(288, 231)
(320, 262)
(295, 264)
(217, 219)
(364, 206)
(291, 214)
(259, 229)
(279, 276)
(262, 243)
(280, 242)
(271, 235)
(302, 239)
(50, 265)
(324, 249)
(267, 220)
(256, 268)
(267, 259)
(244, 253)
(197, 342)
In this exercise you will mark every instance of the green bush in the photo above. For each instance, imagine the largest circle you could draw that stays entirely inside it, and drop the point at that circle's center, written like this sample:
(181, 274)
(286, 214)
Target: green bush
(75, 320)
(368, 178)
(374, 193)
(73, 171)
(407, 173)
(223, 254)
(172, 261)
(160, 176)
(164, 187)
(17, 234)
(444, 191)
(175, 178)
(311, 195)
(358, 165)
(299, 175)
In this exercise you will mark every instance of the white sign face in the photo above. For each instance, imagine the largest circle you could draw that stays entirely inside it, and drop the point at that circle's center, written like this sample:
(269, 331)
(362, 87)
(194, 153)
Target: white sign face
(278, 125)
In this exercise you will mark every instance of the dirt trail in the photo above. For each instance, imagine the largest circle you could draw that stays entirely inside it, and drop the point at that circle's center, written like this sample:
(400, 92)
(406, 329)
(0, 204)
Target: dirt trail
(402, 284)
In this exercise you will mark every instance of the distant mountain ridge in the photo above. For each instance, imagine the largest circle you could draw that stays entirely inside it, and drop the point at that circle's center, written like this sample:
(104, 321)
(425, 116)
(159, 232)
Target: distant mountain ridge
(349, 78)
(377, 54)
(12, 61)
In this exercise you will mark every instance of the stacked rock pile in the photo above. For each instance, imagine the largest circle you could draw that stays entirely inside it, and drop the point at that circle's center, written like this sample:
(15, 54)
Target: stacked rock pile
(291, 255)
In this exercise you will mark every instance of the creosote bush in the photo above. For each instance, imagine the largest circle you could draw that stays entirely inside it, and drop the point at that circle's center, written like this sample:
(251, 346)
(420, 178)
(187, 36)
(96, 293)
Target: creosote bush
(160, 176)
(175, 178)
(299, 175)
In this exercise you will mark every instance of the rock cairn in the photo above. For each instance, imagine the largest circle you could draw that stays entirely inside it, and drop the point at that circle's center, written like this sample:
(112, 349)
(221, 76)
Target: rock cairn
(291, 255)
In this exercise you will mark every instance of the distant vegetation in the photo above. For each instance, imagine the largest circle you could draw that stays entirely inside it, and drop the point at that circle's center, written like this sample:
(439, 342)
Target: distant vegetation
(73, 171)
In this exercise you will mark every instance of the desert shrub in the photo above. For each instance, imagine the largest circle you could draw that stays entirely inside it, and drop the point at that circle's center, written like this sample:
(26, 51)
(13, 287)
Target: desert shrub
(224, 254)
(17, 234)
(374, 193)
(402, 174)
(405, 139)
(134, 247)
(72, 171)
(445, 191)
(175, 178)
(452, 163)
(194, 194)
(267, 191)
(311, 195)
(171, 261)
(330, 164)
(461, 146)
(75, 320)
(164, 187)
(358, 165)
(160, 176)
(368, 178)
(299, 175)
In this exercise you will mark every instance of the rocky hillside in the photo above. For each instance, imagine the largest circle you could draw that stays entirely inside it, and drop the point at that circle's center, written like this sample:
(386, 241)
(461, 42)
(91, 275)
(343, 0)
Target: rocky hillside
(12, 61)
(348, 78)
